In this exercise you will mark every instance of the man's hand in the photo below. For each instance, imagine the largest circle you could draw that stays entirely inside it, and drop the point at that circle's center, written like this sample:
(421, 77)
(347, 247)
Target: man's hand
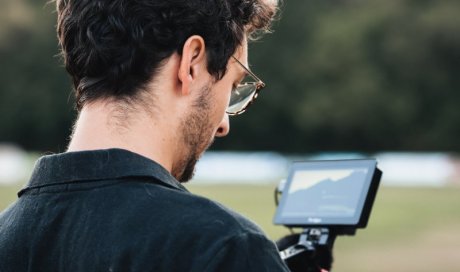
(319, 260)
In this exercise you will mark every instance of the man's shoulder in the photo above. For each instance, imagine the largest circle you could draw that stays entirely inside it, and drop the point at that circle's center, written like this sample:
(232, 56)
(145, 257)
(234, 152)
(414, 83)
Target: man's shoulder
(198, 213)
(216, 215)
(175, 220)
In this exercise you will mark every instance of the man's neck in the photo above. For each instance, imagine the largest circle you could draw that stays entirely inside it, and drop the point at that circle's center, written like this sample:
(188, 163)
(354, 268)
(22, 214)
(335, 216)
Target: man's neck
(102, 126)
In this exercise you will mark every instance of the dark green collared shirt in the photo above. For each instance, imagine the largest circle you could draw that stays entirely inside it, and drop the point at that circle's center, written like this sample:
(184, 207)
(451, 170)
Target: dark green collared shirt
(114, 210)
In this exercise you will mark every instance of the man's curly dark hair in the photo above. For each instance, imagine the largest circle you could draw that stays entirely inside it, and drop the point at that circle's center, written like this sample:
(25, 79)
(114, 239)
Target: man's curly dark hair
(111, 48)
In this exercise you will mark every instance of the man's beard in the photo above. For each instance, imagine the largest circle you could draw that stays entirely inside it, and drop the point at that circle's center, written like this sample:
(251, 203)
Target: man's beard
(197, 132)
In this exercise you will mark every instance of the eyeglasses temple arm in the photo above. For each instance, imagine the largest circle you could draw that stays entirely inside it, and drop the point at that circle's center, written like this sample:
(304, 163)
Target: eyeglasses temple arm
(249, 71)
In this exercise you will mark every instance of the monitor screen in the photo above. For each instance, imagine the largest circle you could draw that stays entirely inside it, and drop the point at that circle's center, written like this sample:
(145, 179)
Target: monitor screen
(325, 193)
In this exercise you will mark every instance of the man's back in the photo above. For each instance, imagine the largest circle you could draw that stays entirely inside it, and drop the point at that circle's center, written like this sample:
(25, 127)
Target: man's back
(113, 210)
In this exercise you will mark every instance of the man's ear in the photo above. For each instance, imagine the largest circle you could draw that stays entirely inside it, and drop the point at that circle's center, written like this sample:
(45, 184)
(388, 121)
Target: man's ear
(193, 63)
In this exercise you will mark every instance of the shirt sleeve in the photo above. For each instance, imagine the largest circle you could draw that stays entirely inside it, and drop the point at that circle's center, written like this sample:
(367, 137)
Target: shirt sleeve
(247, 252)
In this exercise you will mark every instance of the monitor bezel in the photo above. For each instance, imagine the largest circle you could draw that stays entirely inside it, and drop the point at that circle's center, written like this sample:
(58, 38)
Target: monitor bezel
(365, 202)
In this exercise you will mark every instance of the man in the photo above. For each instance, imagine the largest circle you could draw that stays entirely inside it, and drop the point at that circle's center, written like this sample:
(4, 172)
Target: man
(155, 82)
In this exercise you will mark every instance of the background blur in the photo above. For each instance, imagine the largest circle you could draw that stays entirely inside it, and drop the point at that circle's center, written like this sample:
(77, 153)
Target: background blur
(345, 79)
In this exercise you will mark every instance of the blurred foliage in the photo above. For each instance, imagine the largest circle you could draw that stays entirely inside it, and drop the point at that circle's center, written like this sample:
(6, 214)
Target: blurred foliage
(341, 75)
(36, 110)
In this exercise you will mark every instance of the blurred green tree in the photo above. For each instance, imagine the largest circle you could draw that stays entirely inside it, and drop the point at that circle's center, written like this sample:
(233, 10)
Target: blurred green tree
(357, 75)
(36, 107)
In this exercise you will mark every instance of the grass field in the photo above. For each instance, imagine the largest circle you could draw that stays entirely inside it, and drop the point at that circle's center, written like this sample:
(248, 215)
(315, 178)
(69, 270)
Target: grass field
(410, 229)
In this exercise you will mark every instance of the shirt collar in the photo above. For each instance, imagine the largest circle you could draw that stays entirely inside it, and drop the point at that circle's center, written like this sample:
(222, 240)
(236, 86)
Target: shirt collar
(97, 165)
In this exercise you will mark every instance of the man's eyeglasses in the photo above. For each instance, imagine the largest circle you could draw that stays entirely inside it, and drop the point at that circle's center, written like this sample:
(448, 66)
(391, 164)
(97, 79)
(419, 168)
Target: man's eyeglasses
(245, 93)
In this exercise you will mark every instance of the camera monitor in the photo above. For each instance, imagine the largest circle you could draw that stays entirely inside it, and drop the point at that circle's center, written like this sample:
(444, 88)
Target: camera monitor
(328, 194)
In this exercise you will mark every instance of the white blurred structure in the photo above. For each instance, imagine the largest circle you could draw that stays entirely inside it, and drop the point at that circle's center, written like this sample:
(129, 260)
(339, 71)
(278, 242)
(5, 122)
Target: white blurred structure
(234, 167)
(399, 169)
(416, 169)
(14, 166)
